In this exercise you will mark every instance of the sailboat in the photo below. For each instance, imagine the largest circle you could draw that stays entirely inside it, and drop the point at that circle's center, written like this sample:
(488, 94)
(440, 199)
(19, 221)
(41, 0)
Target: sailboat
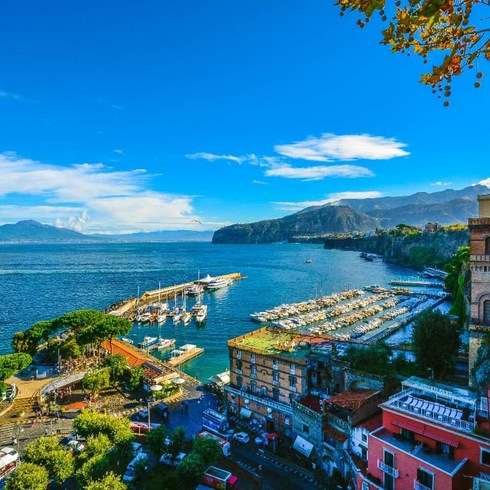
(200, 310)
(186, 316)
(177, 312)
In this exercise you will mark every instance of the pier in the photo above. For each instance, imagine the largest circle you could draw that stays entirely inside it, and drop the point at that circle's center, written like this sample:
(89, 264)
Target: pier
(126, 308)
(177, 360)
(417, 284)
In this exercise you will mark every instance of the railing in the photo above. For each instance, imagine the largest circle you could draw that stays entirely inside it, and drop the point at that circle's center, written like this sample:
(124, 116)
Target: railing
(388, 469)
(286, 409)
(463, 425)
(479, 258)
(419, 486)
(400, 394)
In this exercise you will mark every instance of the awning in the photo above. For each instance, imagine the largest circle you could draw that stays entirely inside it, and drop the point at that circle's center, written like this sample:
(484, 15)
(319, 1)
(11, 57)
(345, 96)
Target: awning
(303, 446)
(441, 437)
(271, 435)
(245, 413)
(403, 424)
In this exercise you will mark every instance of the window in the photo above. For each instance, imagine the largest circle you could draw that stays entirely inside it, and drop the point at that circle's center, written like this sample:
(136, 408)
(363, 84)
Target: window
(292, 381)
(239, 381)
(275, 394)
(238, 354)
(292, 368)
(485, 456)
(275, 364)
(487, 245)
(306, 428)
(425, 477)
(253, 370)
(445, 449)
(287, 421)
(252, 358)
(239, 365)
(253, 386)
(388, 480)
(275, 377)
(364, 438)
(365, 485)
(408, 435)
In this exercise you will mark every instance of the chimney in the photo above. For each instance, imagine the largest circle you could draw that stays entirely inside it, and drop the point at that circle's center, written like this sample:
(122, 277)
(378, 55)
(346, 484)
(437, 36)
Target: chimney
(484, 206)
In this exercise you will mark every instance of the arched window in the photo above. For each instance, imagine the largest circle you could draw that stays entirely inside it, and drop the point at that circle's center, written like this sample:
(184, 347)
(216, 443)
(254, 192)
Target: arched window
(487, 245)
(486, 312)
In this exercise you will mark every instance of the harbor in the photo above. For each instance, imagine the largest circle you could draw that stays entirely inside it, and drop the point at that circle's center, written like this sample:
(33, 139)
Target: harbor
(184, 354)
(360, 315)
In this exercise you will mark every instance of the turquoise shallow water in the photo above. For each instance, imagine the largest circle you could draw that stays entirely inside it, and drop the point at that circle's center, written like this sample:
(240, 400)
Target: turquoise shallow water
(44, 281)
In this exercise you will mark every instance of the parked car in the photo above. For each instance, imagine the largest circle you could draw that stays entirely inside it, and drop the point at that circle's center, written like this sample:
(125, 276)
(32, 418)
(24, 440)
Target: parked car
(136, 447)
(259, 440)
(130, 473)
(143, 413)
(161, 409)
(167, 459)
(76, 446)
(241, 437)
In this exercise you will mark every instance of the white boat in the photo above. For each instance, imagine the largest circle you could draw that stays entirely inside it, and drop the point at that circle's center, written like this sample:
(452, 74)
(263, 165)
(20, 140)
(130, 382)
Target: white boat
(128, 341)
(162, 318)
(163, 344)
(144, 317)
(186, 318)
(202, 314)
(147, 342)
(218, 283)
(193, 290)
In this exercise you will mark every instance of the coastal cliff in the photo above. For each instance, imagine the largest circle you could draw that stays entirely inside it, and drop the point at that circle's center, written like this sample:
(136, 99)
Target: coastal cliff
(326, 219)
(412, 250)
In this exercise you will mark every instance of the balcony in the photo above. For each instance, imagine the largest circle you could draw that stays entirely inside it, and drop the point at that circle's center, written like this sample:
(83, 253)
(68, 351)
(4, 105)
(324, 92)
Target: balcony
(388, 469)
(418, 486)
(238, 371)
(479, 258)
(281, 407)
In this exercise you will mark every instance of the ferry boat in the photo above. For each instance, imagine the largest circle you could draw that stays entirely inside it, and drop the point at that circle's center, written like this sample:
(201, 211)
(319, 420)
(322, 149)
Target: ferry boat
(163, 344)
(194, 290)
(433, 272)
(218, 283)
(147, 342)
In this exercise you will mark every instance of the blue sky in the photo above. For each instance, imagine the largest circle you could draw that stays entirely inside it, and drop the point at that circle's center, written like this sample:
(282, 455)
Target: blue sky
(127, 116)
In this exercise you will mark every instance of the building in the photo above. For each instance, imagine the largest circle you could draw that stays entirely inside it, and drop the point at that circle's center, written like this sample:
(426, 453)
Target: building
(480, 275)
(434, 436)
(268, 369)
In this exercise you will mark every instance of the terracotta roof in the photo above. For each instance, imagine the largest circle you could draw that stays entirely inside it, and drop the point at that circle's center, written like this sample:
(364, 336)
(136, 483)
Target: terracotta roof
(335, 434)
(133, 357)
(352, 399)
(373, 422)
(312, 402)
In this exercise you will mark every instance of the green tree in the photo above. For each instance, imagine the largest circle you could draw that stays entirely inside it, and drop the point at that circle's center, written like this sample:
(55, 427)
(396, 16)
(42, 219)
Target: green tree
(91, 423)
(99, 444)
(190, 471)
(11, 363)
(433, 329)
(28, 476)
(113, 326)
(177, 440)
(208, 449)
(117, 364)
(96, 381)
(455, 267)
(156, 439)
(93, 469)
(110, 481)
(374, 358)
(134, 377)
(48, 453)
(80, 320)
(454, 35)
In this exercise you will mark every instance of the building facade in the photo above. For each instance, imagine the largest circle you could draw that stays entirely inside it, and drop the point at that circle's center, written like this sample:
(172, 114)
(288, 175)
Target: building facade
(433, 436)
(480, 275)
(268, 370)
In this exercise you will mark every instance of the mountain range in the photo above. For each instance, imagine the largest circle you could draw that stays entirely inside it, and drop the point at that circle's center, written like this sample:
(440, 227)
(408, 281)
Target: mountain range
(30, 231)
(351, 215)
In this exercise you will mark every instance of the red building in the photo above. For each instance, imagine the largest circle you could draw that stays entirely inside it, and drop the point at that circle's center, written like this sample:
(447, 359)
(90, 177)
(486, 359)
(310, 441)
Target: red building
(433, 437)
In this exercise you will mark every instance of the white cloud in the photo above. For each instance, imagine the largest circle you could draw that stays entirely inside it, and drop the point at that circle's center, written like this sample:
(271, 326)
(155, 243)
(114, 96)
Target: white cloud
(331, 199)
(260, 182)
(119, 151)
(440, 183)
(114, 200)
(318, 172)
(9, 95)
(211, 157)
(330, 147)
(485, 182)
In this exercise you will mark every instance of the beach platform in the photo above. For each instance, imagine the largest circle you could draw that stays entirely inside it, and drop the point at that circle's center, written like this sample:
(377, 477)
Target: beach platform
(185, 356)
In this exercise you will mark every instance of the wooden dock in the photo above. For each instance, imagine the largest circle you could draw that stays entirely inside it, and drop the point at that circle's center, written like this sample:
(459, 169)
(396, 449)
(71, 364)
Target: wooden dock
(127, 307)
(187, 356)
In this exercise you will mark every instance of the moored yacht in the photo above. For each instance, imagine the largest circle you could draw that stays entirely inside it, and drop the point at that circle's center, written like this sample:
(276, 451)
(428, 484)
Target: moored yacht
(218, 283)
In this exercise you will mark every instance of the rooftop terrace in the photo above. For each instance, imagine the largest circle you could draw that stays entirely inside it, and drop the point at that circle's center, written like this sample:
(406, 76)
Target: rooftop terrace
(276, 342)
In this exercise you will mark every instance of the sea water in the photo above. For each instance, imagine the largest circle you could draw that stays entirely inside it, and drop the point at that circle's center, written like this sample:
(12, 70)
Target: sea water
(39, 282)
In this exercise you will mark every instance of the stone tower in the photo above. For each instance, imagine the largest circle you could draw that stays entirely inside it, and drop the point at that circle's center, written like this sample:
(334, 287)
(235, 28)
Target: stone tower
(479, 322)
